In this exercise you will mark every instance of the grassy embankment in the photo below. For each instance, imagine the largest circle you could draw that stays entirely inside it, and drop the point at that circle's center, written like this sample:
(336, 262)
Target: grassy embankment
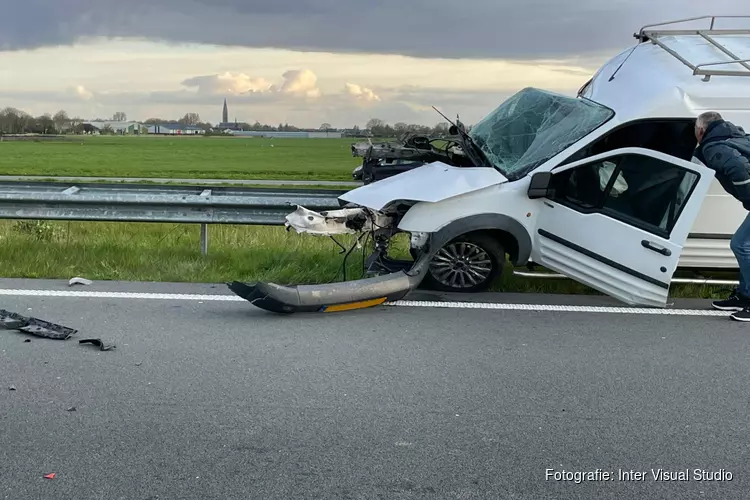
(181, 157)
(170, 252)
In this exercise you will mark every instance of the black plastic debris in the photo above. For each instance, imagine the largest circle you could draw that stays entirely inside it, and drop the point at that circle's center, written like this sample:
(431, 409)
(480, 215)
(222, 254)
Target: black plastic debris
(98, 342)
(12, 388)
(34, 326)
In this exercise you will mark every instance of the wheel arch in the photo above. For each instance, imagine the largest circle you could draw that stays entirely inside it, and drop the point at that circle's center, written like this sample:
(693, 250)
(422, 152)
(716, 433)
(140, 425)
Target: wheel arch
(509, 232)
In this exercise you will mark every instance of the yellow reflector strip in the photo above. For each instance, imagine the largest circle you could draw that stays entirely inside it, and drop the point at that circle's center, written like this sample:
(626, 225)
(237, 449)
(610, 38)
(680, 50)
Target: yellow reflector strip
(355, 305)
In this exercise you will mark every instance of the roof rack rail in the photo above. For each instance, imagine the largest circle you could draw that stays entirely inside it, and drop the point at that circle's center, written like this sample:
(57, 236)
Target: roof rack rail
(654, 32)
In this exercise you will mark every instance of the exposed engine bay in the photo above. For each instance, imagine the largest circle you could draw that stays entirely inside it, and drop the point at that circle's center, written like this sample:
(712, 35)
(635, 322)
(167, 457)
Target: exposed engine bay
(386, 159)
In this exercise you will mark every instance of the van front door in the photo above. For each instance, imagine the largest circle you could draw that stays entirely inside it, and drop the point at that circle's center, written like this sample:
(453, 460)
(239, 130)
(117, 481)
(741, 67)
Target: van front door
(617, 222)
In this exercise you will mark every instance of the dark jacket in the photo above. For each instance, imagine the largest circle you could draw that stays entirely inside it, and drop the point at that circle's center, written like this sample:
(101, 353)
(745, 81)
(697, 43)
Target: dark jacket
(725, 148)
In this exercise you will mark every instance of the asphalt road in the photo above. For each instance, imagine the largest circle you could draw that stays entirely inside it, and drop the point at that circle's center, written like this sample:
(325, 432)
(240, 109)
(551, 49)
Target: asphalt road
(219, 400)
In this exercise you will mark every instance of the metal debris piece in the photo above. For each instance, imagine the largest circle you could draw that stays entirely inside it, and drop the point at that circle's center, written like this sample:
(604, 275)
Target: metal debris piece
(79, 281)
(98, 342)
(35, 326)
(11, 321)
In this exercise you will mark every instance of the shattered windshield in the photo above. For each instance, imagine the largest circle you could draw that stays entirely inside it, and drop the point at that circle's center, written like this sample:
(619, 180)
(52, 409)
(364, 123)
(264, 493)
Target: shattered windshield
(533, 126)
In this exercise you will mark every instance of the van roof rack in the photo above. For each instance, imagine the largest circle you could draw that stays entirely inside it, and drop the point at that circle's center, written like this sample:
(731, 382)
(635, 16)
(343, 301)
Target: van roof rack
(654, 32)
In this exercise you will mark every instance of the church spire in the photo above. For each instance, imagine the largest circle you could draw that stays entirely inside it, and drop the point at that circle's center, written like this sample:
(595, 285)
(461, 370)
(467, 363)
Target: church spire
(225, 113)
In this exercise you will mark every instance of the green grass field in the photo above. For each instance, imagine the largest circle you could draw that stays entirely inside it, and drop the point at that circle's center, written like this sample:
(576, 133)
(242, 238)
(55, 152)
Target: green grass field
(182, 157)
(170, 252)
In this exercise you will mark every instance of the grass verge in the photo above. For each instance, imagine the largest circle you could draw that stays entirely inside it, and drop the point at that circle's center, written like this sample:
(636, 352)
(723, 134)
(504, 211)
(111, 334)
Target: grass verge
(182, 157)
(171, 253)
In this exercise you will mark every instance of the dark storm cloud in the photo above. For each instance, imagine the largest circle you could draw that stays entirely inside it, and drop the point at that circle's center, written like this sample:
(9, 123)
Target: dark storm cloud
(425, 28)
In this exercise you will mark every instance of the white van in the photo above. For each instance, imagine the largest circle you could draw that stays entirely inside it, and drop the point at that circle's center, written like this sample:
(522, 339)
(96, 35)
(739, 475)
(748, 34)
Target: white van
(601, 187)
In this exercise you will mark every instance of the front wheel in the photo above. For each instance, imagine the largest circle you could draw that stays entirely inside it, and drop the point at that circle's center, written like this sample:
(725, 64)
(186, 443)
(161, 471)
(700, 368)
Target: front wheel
(469, 263)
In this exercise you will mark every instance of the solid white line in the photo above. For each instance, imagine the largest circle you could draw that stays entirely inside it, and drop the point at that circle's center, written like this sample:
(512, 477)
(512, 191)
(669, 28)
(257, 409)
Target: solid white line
(399, 303)
(120, 295)
(560, 308)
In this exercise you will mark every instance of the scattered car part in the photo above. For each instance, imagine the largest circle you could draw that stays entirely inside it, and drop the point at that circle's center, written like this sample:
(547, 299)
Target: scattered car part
(79, 281)
(34, 326)
(99, 343)
(392, 285)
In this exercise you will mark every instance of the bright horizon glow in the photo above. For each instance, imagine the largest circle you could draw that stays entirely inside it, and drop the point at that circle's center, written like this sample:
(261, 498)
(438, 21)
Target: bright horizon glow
(144, 79)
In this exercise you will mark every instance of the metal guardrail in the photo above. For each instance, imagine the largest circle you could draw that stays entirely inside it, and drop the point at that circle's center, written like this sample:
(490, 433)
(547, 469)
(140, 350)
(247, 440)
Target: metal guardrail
(158, 203)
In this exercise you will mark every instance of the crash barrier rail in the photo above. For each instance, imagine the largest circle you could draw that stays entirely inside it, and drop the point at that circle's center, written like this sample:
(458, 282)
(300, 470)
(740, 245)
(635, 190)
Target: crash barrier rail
(183, 205)
(159, 203)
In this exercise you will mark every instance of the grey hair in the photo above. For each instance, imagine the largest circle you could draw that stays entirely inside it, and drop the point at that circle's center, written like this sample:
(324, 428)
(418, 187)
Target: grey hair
(704, 119)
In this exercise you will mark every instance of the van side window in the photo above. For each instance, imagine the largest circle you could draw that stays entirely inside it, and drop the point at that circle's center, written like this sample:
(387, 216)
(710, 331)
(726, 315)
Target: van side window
(640, 190)
(672, 137)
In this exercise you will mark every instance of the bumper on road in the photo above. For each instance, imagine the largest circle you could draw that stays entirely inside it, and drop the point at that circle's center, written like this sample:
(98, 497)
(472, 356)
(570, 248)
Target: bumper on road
(331, 297)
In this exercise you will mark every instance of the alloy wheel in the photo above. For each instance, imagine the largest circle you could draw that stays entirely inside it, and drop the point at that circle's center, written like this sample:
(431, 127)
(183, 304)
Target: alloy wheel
(461, 265)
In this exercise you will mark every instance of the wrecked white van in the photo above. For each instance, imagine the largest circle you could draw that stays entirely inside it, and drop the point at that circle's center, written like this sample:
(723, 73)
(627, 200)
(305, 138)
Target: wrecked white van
(600, 187)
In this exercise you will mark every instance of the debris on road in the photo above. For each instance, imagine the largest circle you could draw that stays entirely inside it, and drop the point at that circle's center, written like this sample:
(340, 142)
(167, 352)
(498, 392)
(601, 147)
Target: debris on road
(99, 343)
(72, 408)
(35, 326)
(79, 281)
(12, 388)
(50, 476)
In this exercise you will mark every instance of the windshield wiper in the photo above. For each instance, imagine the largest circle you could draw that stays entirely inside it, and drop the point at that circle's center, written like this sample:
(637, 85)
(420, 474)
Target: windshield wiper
(474, 152)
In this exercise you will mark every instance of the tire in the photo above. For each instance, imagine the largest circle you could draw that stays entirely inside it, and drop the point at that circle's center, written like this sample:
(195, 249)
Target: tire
(447, 269)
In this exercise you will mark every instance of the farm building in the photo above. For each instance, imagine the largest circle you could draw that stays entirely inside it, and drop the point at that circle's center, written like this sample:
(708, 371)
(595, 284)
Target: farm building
(174, 129)
(120, 128)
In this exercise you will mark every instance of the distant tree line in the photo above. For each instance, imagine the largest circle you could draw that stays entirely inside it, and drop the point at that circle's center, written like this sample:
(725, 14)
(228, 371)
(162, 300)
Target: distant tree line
(15, 121)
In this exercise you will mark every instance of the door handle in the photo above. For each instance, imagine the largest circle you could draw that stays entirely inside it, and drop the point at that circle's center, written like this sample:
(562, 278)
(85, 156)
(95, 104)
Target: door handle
(656, 248)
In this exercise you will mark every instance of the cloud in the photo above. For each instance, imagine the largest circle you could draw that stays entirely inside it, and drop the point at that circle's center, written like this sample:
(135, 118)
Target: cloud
(360, 93)
(481, 29)
(299, 83)
(227, 83)
(83, 92)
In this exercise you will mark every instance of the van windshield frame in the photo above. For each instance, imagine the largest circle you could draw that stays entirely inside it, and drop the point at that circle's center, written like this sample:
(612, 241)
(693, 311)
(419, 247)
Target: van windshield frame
(533, 126)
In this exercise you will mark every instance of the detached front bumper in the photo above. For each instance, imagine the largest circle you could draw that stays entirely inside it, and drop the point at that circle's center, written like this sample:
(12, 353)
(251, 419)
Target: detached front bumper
(332, 297)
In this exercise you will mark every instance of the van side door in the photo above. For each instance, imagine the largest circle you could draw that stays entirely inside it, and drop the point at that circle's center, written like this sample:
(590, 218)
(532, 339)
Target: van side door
(617, 222)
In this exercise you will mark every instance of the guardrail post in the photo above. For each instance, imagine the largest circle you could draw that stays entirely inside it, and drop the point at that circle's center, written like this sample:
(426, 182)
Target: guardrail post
(204, 239)
(204, 228)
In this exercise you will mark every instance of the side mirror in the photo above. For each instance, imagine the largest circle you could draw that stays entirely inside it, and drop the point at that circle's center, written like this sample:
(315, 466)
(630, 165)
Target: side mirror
(541, 186)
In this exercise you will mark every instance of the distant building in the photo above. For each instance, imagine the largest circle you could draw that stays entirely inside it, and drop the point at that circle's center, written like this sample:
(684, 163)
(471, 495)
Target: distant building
(225, 123)
(289, 135)
(174, 129)
(120, 128)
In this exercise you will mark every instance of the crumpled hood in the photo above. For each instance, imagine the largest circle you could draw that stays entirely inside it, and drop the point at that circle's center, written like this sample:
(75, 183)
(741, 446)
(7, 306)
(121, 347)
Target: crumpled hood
(433, 182)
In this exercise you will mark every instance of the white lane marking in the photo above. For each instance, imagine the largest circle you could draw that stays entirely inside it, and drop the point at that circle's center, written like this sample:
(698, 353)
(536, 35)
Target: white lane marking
(399, 303)
(120, 295)
(560, 308)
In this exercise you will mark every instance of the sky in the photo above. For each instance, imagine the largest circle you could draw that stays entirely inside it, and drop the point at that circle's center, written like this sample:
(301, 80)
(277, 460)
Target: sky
(309, 62)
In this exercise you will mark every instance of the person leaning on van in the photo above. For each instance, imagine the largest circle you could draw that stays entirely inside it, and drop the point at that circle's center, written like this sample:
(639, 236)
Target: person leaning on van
(725, 148)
